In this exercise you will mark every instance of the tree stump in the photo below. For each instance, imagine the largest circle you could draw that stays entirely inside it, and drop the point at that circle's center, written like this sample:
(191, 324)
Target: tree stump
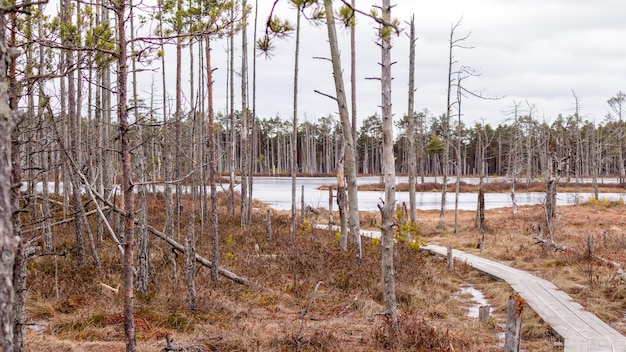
(513, 330)
(484, 312)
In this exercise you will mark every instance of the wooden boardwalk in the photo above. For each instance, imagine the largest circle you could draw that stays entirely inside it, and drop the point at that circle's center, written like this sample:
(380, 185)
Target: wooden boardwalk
(580, 330)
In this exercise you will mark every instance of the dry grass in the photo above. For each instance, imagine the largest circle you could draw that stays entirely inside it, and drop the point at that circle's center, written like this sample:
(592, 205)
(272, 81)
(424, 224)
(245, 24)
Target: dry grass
(497, 187)
(345, 314)
(591, 281)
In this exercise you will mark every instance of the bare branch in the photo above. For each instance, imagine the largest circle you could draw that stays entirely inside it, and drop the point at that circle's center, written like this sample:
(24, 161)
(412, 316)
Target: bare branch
(326, 95)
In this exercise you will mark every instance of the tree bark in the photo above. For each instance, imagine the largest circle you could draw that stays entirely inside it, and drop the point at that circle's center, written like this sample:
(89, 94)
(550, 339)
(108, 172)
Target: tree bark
(342, 204)
(168, 227)
(127, 185)
(350, 150)
(190, 262)
(143, 250)
(411, 125)
(230, 205)
(8, 241)
(388, 208)
(212, 164)
(294, 131)
(19, 264)
(245, 140)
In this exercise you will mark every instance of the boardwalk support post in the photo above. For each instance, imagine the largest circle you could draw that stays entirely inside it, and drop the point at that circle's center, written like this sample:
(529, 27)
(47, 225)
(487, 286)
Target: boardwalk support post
(483, 313)
(450, 259)
(513, 331)
(268, 224)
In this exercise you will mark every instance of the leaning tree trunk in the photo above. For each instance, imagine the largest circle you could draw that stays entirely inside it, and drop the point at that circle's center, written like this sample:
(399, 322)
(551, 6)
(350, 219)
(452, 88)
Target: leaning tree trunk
(342, 205)
(350, 150)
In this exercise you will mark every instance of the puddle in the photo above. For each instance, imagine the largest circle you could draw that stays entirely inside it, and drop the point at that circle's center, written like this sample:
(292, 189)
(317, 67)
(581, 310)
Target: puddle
(474, 295)
(477, 297)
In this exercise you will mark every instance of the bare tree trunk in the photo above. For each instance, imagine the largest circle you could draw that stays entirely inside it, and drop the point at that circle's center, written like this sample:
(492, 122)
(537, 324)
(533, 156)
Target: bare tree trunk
(8, 119)
(45, 204)
(8, 241)
(230, 206)
(178, 116)
(212, 163)
(81, 224)
(350, 150)
(190, 262)
(411, 125)
(446, 132)
(294, 132)
(353, 78)
(458, 163)
(143, 250)
(168, 227)
(342, 204)
(127, 184)
(253, 142)
(245, 141)
(594, 162)
(108, 171)
(388, 208)
(45, 154)
(481, 216)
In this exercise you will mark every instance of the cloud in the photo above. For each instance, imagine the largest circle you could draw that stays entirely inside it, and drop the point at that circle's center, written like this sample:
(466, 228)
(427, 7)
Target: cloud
(531, 50)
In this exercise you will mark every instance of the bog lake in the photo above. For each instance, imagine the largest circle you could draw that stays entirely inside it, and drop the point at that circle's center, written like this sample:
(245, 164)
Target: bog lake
(276, 192)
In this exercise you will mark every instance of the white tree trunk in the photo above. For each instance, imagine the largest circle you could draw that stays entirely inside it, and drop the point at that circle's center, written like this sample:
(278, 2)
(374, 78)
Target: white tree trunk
(350, 158)
(389, 171)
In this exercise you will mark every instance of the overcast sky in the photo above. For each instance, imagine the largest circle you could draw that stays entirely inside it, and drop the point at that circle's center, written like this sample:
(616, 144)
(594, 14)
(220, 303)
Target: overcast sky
(535, 51)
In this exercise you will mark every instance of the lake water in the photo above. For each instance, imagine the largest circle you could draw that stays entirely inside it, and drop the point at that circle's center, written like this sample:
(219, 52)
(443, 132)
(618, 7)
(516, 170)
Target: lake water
(276, 191)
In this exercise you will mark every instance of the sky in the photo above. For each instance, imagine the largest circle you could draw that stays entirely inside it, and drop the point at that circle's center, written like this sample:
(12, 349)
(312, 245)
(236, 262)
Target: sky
(531, 52)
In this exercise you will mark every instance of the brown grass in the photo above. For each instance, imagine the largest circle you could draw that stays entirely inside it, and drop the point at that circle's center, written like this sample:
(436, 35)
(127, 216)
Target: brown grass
(345, 314)
(590, 281)
(496, 187)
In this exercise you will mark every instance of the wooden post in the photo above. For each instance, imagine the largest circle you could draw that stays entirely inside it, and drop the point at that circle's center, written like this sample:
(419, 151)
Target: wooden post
(268, 225)
(513, 331)
(330, 208)
(450, 259)
(302, 209)
(590, 247)
(483, 313)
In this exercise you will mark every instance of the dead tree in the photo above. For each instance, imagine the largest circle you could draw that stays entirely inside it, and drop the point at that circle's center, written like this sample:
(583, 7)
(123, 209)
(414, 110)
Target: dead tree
(9, 119)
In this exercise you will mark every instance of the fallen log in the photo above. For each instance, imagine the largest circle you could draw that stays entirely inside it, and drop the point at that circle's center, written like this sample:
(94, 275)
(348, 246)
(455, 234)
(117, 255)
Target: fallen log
(556, 246)
(207, 263)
